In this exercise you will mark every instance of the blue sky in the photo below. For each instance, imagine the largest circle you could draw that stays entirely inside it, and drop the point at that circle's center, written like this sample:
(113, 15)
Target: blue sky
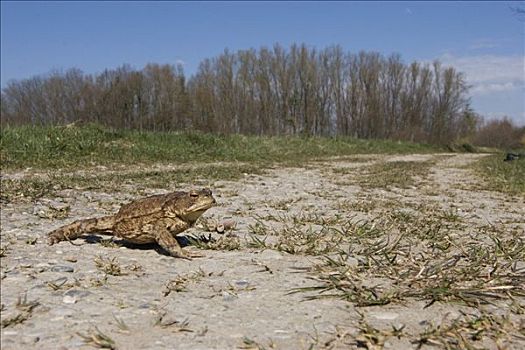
(483, 39)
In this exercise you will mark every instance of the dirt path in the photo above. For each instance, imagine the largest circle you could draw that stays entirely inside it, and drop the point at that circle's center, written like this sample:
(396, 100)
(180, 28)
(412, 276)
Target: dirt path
(287, 224)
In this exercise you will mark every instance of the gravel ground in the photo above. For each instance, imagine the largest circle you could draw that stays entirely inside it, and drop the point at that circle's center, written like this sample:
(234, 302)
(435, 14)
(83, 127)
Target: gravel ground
(71, 295)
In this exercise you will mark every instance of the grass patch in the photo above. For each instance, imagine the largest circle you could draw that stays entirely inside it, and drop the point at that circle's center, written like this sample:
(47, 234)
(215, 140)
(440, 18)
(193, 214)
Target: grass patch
(85, 146)
(400, 174)
(467, 331)
(431, 255)
(507, 177)
(295, 238)
(422, 257)
(43, 186)
(195, 158)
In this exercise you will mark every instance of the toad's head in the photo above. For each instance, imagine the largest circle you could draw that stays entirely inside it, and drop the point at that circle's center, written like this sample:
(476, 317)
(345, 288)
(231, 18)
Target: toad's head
(194, 203)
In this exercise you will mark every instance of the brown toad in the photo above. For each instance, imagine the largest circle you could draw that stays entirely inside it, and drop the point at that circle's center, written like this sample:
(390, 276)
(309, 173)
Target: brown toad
(153, 219)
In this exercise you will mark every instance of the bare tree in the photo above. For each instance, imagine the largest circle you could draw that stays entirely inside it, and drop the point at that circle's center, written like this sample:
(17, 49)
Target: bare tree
(299, 90)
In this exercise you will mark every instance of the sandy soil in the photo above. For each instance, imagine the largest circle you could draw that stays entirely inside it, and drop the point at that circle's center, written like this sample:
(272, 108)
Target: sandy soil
(230, 298)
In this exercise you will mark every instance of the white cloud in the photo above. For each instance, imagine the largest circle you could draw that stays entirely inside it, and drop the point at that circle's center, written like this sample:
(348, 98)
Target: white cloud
(486, 88)
(483, 45)
(497, 83)
(181, 62)
(488, 43)
(489, 68)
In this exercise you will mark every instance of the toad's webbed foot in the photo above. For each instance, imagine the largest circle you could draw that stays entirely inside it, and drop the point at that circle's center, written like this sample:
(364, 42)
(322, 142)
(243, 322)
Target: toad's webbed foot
(170, 244)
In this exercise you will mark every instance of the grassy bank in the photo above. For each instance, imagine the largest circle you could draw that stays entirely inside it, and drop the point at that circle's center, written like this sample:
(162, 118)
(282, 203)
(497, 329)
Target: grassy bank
(73, 147)
(507, 177)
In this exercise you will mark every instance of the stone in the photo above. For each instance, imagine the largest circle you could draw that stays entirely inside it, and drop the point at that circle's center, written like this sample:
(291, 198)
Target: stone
(62, 268)
(352, 262)
(228, 296)
(242, 283)
(68, 299)
(270, 254)
(74, 295)
(383, 315)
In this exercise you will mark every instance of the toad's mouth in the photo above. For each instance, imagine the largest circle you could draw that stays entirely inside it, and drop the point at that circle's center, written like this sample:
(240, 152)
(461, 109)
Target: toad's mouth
(194, 214)
(198, 211)
(201, 208)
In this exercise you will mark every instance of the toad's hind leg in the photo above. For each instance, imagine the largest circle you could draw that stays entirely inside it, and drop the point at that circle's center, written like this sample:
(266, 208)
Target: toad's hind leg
(169, 243)
(79, 227)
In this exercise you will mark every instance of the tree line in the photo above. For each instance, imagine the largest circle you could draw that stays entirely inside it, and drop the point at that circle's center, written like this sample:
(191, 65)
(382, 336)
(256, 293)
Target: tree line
(298, 90)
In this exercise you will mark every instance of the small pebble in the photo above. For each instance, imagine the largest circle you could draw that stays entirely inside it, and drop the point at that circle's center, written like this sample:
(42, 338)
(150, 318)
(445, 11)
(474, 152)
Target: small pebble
(229, 224)
(73, 295)
(68, 299)
(77, 293)
(62, 268)
(59, 281)
(383, 315)
(270, 254)
(519, 265)
(242, 283)
(351, 261)
(228, 296)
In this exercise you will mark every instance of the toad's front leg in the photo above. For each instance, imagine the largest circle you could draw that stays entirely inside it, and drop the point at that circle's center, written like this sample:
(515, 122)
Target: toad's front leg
(169, 243)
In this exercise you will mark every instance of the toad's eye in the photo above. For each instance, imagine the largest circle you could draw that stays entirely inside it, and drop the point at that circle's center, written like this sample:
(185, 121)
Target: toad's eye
(194, 194)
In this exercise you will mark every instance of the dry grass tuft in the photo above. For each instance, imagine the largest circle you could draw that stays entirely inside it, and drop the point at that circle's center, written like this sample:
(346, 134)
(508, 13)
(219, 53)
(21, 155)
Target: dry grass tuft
(110, 266)
(25, 308)
(180, 283)
(98, 339)
(174, 325)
